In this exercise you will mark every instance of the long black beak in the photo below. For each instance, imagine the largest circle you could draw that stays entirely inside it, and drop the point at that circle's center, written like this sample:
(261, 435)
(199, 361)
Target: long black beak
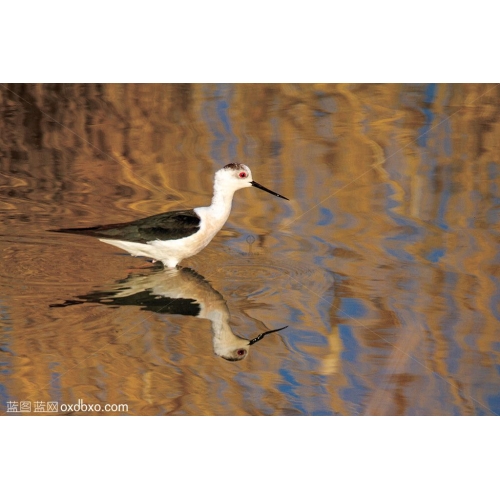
(260, 186)
(262, 335)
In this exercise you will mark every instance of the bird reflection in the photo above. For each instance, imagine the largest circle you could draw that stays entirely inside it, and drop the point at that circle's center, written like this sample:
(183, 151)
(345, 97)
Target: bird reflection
(177, 291)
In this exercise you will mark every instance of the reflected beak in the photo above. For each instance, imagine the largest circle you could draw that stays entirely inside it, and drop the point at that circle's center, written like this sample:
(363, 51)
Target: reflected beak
(262, 335)
(260, 186)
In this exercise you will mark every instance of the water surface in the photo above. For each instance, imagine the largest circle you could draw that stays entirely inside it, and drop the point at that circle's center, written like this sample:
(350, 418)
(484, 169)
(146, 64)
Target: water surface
(384, 264)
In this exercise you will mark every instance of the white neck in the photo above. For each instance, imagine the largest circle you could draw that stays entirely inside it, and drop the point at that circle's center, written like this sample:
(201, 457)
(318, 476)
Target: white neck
(221, 203)
(224, 340)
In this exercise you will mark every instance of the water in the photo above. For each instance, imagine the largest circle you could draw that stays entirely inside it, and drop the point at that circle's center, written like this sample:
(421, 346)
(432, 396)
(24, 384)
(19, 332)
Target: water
(384, 264)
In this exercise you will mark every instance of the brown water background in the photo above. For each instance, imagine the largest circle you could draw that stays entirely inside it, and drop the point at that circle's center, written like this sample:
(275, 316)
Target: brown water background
(384, 264)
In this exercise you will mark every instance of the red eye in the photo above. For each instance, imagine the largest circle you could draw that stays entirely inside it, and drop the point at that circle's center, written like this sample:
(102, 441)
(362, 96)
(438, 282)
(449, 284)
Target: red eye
(241, 351)
(242, 174)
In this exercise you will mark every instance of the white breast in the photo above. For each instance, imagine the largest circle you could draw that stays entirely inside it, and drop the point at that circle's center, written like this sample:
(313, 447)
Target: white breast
(171, 252)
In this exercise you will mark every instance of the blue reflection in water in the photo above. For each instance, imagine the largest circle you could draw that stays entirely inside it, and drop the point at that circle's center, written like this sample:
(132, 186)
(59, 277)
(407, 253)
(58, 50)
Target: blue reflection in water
(222, 389)
(449, 321)
(350, 346)
(429, 96)
(222, 113)
(435, 254)
(299, 337)
(447, 137)
(493, 173)
(326, 217)
(222, 107)
(356, 391)
(55, 382)
(221, 128)
(290, 389)
(254, 393)
(351, 308)
(5, 318)
(444, 198)
(493, 214)
(4, 396)
(317, 401)
(7, 354)
(494, 403)
(495, 298)
(413, 231)
(400, 254)
(310, 396)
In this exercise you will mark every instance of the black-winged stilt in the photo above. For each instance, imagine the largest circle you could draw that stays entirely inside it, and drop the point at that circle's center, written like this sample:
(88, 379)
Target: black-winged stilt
(173, 236)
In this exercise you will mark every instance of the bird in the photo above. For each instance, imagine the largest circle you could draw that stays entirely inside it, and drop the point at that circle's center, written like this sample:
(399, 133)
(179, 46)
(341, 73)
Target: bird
(170, 237)
(177, 291)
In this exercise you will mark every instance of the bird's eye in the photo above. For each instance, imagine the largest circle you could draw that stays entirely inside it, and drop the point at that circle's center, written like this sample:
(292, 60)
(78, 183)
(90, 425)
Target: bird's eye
(242, 174)
(240, 352)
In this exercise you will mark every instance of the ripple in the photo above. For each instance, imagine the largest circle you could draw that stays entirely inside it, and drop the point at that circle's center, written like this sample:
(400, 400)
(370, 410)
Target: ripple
(250, 272)
(258, 267)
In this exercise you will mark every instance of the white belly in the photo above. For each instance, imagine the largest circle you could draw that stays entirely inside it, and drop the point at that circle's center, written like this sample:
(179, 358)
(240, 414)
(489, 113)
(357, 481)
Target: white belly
(171, 252)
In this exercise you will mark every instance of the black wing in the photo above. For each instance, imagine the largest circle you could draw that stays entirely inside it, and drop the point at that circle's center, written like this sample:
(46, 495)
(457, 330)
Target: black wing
(166, 226)
(145, 299)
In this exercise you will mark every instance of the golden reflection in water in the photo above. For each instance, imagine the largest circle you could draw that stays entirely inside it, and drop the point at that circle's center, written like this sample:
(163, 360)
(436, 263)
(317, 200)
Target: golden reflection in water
(384, 263)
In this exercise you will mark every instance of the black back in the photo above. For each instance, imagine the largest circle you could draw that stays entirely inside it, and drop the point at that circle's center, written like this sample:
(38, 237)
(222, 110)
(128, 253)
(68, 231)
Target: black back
(145, 299)
(167, 226)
